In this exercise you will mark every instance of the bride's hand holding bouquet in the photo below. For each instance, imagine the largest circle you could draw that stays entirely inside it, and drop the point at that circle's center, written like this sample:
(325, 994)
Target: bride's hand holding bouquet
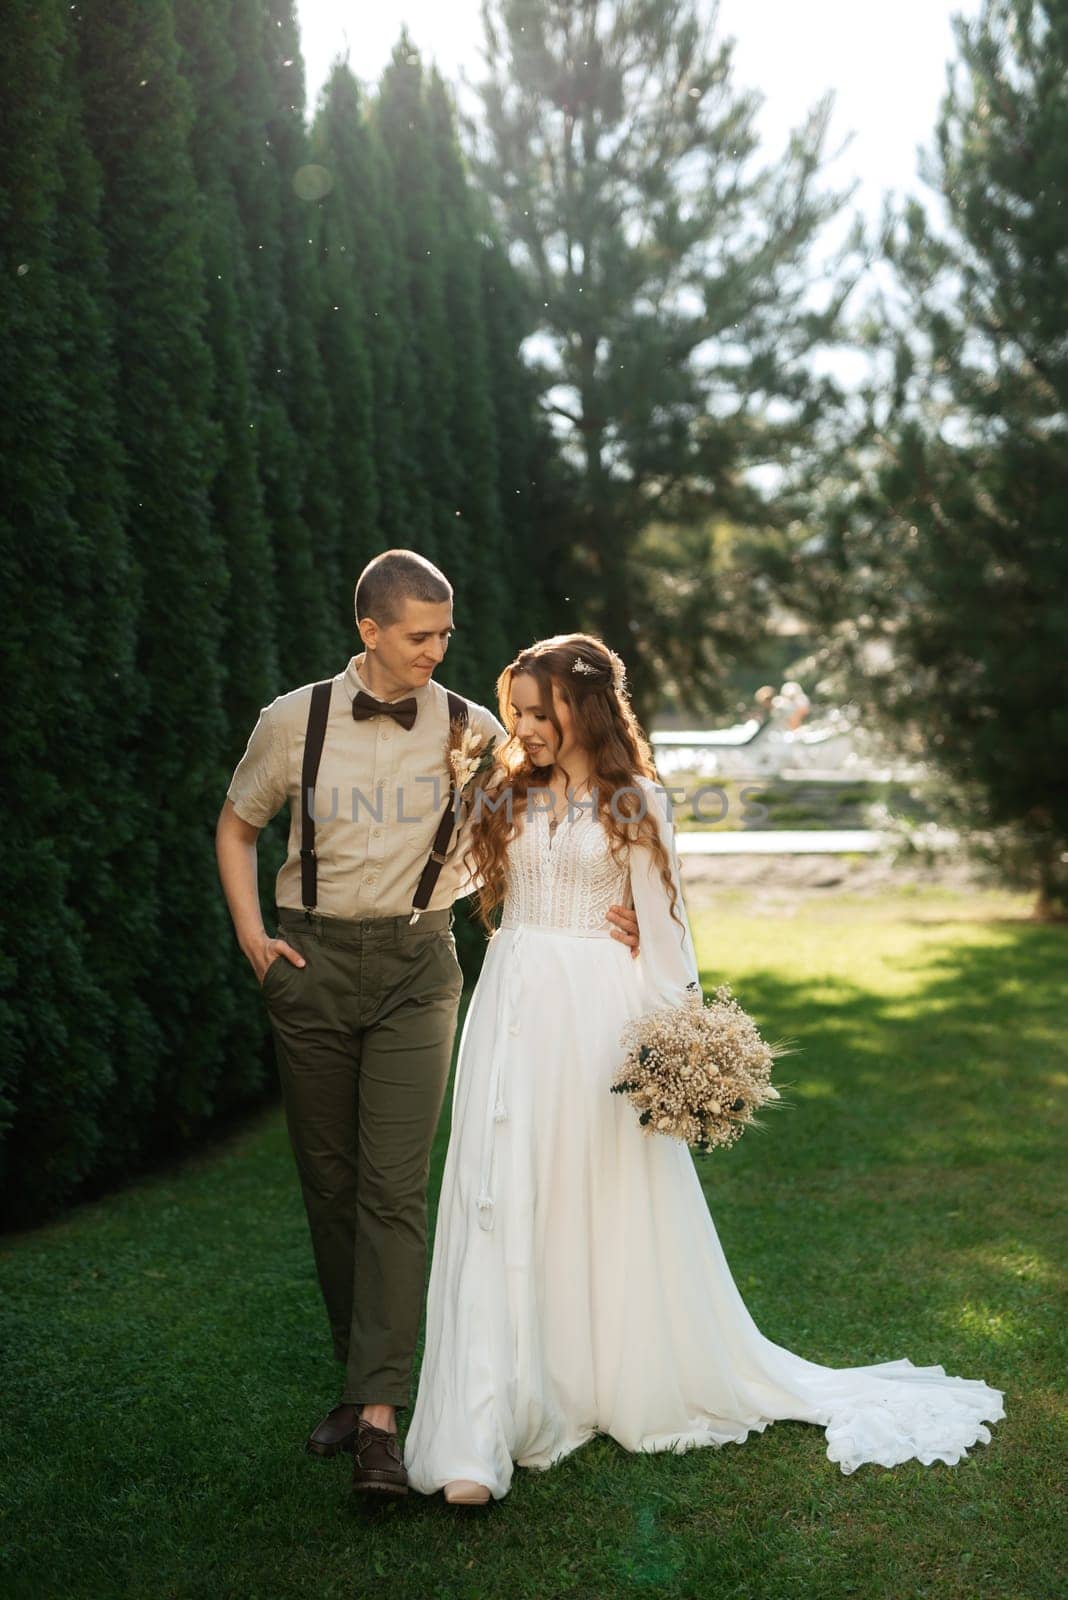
(699, 1071)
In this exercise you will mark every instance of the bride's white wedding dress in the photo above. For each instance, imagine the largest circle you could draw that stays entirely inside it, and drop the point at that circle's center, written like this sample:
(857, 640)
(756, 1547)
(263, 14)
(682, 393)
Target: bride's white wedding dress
(578, 1285)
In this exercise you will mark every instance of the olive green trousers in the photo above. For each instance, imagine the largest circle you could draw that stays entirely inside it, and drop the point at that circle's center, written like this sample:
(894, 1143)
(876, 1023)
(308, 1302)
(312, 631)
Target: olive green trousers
(364, 1035)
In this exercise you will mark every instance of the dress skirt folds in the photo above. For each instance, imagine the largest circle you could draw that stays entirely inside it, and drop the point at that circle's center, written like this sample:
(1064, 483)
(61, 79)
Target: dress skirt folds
(578, 1285)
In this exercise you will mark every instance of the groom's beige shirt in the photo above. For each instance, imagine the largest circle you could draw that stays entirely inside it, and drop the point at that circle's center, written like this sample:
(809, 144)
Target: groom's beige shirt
(378, 799)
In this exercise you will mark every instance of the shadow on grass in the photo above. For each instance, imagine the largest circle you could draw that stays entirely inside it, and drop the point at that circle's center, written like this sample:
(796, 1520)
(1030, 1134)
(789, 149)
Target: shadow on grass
(916, 1172)
(963, 1067)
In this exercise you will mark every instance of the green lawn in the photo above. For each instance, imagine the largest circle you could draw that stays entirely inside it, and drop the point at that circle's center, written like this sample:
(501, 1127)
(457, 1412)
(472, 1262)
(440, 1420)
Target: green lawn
(165, 1351)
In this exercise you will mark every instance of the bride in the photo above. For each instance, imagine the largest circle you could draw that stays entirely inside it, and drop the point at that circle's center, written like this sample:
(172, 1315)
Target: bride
(577, 1284)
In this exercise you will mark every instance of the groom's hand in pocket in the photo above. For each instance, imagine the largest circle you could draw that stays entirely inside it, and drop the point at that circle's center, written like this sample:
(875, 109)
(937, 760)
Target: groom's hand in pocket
(626, 926)
(267, 951)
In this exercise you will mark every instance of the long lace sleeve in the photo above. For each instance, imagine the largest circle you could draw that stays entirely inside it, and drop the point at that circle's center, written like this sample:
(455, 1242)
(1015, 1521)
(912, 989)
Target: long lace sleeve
(666, 955)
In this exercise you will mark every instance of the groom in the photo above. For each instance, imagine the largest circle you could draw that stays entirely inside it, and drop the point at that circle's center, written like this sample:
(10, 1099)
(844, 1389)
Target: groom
(362, 1000)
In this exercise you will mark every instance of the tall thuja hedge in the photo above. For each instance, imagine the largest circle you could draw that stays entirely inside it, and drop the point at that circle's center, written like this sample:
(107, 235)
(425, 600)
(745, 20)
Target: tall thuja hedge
(472, 423)
(532, 482)
(56, 1015)
(249, 644)
(362, 274)
(248, 660)
(138, 114)
(404, 236)
(363, 235)
(112, 848)
(266, 161)
(402, 114)
(240, 360)
(350, 288)
(308, 396)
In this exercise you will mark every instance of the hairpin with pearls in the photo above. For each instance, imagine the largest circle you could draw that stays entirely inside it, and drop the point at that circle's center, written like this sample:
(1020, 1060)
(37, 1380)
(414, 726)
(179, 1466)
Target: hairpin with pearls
(579, 665)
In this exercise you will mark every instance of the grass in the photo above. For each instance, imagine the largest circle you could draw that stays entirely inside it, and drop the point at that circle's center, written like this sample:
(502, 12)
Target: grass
(165, 1351)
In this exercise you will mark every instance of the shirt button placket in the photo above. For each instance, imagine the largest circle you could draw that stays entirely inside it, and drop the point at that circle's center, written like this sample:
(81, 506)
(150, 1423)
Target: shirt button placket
(377, 832)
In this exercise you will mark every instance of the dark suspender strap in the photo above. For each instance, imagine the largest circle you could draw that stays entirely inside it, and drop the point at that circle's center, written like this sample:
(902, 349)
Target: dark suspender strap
(436, 859)
(314, 735)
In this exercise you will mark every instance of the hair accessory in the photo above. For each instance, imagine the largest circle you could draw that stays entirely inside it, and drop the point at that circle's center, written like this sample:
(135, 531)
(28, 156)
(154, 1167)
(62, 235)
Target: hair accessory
(578, 665)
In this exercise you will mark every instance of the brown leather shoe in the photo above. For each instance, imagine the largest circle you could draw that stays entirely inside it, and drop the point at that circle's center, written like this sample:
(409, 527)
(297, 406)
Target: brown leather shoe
(377, 1461)
(336, 1432)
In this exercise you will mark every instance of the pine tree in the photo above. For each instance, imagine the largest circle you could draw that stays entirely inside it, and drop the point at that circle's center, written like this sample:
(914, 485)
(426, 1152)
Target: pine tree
(956, 545)
(672, 280)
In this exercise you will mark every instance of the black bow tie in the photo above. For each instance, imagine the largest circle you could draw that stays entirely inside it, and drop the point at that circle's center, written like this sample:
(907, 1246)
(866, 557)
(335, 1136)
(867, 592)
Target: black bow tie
(366, 706)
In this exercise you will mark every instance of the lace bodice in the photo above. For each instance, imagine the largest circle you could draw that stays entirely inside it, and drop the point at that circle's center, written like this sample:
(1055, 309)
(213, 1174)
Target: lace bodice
(566, 878)
(563, 876)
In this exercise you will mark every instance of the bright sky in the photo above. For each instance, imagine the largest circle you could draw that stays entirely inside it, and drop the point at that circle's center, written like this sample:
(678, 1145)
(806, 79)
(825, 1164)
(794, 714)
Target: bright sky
(885, 62)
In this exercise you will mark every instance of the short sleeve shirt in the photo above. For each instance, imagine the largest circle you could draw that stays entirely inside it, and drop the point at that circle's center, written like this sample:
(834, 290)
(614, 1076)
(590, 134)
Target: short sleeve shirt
(379, 796)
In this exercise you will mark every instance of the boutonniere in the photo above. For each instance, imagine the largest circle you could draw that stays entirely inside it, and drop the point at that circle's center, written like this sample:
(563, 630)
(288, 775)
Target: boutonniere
(469, 754)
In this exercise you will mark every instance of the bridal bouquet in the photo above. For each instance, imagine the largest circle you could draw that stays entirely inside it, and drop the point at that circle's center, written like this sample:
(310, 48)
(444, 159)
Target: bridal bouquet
(697, 1072)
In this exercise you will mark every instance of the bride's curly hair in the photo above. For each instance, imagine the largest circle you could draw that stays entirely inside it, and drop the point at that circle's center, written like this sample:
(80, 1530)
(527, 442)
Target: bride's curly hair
(591, 678)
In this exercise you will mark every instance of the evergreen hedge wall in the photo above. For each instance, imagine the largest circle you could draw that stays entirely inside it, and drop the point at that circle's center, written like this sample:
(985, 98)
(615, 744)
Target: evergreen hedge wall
(242, 356)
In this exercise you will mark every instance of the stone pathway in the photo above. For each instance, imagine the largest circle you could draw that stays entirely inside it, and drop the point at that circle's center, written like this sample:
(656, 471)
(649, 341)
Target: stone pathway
(795, 841)
(782, 842)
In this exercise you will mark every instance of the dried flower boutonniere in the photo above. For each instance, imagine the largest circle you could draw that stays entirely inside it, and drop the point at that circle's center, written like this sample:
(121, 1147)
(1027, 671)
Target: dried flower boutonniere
(470, 755)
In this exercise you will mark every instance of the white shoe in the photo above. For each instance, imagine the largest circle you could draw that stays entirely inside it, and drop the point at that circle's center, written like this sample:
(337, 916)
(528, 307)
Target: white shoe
(464, 1492)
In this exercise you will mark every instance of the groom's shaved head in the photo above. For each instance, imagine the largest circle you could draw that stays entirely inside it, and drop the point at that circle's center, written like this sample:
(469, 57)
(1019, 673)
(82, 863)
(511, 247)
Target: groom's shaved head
(393, 577)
